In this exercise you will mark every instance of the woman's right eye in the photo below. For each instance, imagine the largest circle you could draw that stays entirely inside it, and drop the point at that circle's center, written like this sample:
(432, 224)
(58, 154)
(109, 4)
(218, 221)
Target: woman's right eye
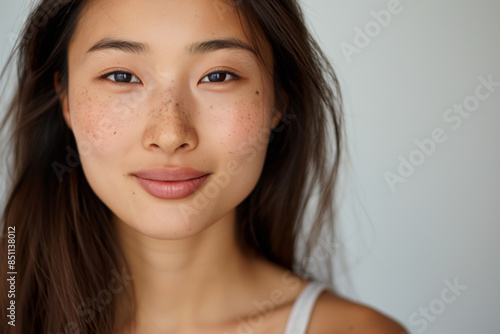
(121, 77)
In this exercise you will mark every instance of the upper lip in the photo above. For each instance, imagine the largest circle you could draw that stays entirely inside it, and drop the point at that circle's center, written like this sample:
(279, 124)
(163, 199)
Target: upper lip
(170, 174)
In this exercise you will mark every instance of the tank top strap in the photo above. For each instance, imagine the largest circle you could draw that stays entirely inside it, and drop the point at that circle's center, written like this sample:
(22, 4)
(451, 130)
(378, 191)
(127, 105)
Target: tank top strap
(302, 308)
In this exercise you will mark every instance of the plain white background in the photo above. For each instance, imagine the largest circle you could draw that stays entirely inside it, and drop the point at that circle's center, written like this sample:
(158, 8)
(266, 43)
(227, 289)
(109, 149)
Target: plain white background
(401, 80)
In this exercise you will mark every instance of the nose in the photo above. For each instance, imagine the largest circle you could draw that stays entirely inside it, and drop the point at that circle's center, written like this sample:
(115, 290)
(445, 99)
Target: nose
(170, 127)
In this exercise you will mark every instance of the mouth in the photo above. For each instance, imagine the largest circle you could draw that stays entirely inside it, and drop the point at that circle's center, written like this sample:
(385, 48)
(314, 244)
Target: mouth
(171, 183)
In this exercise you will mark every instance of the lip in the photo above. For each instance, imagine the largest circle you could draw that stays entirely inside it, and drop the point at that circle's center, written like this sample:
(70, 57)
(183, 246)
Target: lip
(172, 182)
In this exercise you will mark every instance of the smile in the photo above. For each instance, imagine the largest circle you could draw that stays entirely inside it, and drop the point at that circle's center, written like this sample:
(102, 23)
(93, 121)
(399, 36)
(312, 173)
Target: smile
(171, 189)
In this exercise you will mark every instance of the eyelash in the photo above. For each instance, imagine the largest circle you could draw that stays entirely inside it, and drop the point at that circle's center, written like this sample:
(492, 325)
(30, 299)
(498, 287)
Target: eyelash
(221, 71)
(107, 75)
(216, 71)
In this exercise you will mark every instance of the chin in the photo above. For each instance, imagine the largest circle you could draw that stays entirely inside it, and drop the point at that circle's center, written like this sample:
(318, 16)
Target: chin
(162, 228)
(171, 232)
(167, 221)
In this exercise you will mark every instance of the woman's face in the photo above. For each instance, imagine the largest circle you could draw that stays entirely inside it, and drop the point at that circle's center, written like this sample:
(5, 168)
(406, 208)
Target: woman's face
(157, 87)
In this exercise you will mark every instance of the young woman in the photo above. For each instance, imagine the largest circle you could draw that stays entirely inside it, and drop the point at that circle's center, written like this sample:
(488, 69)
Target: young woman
(164, 155)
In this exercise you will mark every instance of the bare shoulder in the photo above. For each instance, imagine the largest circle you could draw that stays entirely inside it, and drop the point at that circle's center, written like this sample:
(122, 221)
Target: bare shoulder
(333, 314)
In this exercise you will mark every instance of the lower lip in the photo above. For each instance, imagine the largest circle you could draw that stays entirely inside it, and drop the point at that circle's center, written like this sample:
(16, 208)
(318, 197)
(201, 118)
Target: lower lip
(171, 189)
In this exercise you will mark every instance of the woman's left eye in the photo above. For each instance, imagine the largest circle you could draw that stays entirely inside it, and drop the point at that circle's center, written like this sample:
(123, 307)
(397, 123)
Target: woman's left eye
(219, 77)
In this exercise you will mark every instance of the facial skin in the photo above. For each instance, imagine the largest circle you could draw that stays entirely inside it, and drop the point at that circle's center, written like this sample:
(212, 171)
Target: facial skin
(169, 113)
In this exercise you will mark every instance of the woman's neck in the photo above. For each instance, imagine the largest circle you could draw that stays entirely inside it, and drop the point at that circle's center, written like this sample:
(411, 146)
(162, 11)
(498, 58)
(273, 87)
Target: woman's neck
(187, 281)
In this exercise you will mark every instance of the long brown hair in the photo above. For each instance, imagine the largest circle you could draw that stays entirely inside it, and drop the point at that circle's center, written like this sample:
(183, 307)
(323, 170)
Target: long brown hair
(68, 260)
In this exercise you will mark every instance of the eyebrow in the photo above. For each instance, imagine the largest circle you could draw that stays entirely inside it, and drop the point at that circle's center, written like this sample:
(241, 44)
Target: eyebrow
(126, 46)
(194, 48)
(219, 44)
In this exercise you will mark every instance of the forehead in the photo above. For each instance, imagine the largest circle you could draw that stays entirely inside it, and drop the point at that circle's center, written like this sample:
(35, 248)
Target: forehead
(165, 25)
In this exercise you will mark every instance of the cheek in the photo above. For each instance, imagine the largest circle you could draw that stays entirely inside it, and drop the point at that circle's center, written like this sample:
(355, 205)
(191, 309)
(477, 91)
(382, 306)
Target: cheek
(246, 132)
(240, 120)
(97, 124)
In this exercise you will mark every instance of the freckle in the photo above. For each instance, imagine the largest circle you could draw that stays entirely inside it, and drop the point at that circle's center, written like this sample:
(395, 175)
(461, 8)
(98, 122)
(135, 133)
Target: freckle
(257, 93)
(114, 133)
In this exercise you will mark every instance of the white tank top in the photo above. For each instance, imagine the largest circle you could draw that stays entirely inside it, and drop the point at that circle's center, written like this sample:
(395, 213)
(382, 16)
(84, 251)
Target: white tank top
(302, 308)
